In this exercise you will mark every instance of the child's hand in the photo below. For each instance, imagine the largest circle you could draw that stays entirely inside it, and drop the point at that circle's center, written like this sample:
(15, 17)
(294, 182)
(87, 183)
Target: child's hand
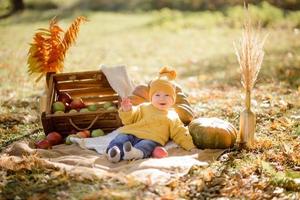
(126, 104)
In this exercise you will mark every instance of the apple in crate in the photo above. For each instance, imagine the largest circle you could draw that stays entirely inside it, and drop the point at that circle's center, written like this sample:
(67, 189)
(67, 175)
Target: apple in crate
(73, 111)
(159, 152)
(92, 107)
(107, 104)
(82, 110)
(97, 133)
(111, 108)
(77, 104)
(64, 97)
(59, 112)
(67, 107)
(54, 138)
(58, 106)
(43, 144)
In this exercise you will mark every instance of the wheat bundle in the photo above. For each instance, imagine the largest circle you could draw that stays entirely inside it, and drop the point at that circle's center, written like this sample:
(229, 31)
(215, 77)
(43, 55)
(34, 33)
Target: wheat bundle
(250, 54)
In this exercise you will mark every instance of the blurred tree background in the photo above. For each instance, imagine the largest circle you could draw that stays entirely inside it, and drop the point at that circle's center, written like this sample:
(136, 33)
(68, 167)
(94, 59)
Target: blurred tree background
(191, 5)
(197, 16)
(269, 12)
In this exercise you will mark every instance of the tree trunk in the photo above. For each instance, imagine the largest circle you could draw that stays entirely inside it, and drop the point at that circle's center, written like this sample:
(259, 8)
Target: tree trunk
(17, 5)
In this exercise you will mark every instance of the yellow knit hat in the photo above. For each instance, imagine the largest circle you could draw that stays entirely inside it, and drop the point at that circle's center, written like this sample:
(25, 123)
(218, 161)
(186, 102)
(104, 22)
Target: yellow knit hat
(164, 82)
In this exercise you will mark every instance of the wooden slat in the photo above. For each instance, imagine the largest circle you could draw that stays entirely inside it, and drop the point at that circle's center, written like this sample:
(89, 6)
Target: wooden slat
(98, 75)
(65, 85)
(47, 124)
(66, 132)
(99, 99)
(81, 115)
(99, 103)
(50, 95)
(81, 92)
(83, 120)
(64, 126)
(81, 124)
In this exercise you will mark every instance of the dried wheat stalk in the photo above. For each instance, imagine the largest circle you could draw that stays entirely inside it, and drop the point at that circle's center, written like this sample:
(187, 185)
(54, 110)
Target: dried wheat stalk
(250, 54)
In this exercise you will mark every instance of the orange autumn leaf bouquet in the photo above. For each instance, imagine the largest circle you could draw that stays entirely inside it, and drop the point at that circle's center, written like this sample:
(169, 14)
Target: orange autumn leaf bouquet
(49, 47)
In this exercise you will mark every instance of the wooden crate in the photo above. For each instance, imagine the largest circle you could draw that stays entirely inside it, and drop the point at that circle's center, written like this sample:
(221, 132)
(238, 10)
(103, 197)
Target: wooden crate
(93, 88)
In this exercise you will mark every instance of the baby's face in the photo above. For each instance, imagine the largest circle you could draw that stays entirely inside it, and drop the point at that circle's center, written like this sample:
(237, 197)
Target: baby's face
(162, 100)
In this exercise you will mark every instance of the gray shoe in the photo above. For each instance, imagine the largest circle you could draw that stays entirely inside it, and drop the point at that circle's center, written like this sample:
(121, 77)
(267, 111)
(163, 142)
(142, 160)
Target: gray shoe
(131, 152)
(127, 146)
(114, 154)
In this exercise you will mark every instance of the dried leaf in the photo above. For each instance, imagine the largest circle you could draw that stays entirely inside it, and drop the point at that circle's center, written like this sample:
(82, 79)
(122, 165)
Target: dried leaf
(47, 52)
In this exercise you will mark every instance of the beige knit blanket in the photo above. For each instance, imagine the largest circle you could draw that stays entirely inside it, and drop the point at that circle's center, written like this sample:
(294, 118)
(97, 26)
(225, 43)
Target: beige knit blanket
(88, 163)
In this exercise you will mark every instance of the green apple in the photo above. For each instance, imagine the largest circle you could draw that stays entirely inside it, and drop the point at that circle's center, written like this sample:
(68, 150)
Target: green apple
(59, 112)
(58, 106)
(97, 133)
(82, 110)
(101, 109)
(68, 141)
(111, 108)
(107, 104)
(92, 107)
(73, 111)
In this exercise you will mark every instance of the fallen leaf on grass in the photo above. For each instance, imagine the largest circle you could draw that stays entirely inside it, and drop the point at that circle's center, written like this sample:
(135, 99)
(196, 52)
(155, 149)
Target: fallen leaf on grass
(278, 190)
(285, 122)
(281, 123)
(263, 144)
(287, 148)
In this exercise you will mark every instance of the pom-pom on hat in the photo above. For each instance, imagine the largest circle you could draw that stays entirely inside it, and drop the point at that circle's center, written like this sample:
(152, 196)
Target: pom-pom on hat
(164, 82)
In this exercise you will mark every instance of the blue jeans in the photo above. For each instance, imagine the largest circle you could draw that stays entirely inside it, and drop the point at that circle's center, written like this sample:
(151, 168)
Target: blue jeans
(146, 146)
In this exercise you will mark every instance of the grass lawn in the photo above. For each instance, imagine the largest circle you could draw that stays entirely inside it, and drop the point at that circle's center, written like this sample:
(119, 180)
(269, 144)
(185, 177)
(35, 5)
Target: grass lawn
(202, 52)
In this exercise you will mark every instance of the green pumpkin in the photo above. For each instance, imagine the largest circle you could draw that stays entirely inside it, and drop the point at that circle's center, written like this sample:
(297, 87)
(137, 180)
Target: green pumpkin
(212, 133)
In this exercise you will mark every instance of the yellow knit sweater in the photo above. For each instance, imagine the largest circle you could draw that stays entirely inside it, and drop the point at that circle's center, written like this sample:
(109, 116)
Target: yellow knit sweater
(147, 122)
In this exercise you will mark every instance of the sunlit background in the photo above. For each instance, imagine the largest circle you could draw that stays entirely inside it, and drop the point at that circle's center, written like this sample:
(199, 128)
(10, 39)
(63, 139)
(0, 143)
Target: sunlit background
(196, 37)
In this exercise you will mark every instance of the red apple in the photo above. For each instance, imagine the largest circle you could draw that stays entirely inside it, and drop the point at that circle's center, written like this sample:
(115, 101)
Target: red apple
(87, 133)
(64, 97)
(67, 107)
(81, 134)
(54, 138)
(43, 144)
(159, 152)
(77, 104)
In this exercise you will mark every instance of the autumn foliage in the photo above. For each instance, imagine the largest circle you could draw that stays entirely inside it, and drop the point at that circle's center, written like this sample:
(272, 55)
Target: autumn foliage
(49, 47)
